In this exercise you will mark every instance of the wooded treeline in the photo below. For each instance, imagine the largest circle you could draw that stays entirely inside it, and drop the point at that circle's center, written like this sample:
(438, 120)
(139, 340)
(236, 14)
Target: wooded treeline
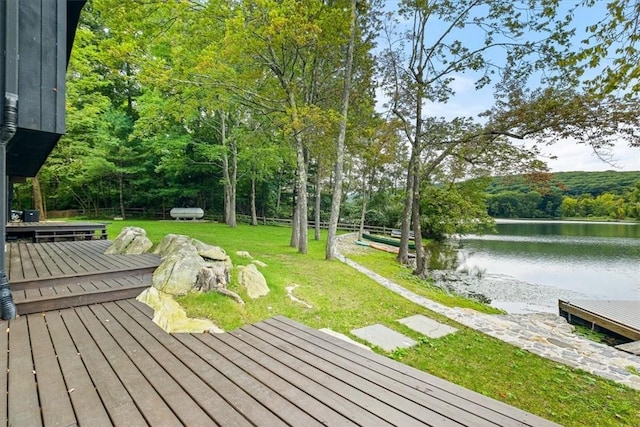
(300, 108)
(609, 194)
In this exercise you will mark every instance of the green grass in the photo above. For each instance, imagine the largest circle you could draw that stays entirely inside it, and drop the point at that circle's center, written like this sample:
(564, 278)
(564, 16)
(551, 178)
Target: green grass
(344, 299)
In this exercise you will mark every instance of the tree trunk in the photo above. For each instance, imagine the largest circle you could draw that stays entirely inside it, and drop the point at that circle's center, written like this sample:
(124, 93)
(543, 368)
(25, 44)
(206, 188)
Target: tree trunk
(121, 191)
(318, 201)
(336, 198)
(279, 192)
(405, 227)
(295, 224)
(421, 262)
(365, 200)
(254, 215)
(301, 205)
(228, 174)
(37, 197)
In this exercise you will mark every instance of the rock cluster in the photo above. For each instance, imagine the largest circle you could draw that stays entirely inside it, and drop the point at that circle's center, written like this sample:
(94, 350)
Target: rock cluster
(188, 265)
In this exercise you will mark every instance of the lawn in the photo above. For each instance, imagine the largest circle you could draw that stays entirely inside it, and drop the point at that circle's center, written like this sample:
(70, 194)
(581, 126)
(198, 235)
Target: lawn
(343, 299)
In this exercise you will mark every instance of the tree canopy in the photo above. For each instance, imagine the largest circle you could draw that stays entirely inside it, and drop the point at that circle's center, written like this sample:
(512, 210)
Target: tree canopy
(275, 108)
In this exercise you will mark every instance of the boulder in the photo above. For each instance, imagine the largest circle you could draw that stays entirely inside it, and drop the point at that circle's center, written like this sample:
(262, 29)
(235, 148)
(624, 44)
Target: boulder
(172, 243)
(171, 317)
(131, 240)
(253, 281)
(177, 273)
(214, 253)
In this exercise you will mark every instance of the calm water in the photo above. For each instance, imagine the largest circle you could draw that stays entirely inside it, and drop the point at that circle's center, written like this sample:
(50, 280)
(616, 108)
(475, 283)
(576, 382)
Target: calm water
(597, 260)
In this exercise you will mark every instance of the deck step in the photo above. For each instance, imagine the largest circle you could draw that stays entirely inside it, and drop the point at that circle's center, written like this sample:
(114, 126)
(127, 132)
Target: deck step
(143, 273)
(61, 296)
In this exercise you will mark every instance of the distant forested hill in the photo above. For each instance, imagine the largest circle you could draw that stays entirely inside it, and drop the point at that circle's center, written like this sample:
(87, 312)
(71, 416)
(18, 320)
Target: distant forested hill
(572, 183)
(609, 194)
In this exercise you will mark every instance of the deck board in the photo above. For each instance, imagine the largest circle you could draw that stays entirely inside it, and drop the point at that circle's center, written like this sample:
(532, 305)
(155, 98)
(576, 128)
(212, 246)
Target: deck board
(187, 411)
(115, 398)
(302, 397)
(417, 380)
(86, 402)
(180, 363)
(146, 397)
(393, 410)
(109, 364)
(44, 264)
(54, 398)
(23, 406)
(401, 397)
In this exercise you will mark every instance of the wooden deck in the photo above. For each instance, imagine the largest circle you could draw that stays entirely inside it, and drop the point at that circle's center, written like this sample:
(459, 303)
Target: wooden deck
(48, 276)
(104, 362)
(620, 317)
(51, 231)
(109, 364)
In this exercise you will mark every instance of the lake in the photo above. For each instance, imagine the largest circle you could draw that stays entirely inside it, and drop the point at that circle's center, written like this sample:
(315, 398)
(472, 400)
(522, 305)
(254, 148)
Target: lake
(528, 265)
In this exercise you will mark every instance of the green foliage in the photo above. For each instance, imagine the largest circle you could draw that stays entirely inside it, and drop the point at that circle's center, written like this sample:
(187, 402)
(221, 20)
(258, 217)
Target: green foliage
(454, 209)
(613, 195)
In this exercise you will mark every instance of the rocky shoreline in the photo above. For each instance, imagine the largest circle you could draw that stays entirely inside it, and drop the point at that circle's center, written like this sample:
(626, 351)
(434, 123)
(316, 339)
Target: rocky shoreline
(504, 292)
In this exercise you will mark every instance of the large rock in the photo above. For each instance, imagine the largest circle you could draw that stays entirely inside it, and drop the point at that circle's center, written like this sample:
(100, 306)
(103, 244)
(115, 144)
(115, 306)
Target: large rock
(177, 273)
(131, 240)
(168, 314)
(172, 243)
(253, 281)
(213, 254)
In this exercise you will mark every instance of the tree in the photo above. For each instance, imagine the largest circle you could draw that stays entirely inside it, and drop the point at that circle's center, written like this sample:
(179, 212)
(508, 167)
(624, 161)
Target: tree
(336, 200)
(430, 47)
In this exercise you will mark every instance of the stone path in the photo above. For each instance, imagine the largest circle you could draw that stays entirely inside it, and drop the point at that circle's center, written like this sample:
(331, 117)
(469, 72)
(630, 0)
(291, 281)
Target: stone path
(544, 334)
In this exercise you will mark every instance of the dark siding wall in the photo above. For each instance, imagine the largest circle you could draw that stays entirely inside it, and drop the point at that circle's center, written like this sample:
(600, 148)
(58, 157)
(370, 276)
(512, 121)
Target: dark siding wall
(42, 65)
(41, 83)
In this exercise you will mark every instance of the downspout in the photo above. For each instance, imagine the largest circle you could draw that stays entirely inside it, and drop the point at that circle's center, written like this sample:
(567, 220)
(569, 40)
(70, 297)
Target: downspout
(7, 132)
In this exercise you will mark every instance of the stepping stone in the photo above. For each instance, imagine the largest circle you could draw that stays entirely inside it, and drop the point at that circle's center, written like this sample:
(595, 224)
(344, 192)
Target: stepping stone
(343, 337)
(427, 326)
(385, 338)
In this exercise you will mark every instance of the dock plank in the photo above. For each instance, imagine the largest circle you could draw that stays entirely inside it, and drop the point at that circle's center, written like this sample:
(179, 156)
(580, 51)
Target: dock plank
(620, 317)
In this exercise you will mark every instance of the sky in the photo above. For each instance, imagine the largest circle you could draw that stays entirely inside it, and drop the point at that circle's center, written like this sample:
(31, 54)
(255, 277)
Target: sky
(570, 155)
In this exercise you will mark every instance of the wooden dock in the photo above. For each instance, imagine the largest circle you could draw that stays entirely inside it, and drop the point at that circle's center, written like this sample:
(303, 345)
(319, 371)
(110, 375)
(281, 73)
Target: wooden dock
(107, 363)
(620, 317)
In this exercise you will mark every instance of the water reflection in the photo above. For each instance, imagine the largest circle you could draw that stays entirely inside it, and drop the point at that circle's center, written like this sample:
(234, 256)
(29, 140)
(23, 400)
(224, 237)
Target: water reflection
(599, 261)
